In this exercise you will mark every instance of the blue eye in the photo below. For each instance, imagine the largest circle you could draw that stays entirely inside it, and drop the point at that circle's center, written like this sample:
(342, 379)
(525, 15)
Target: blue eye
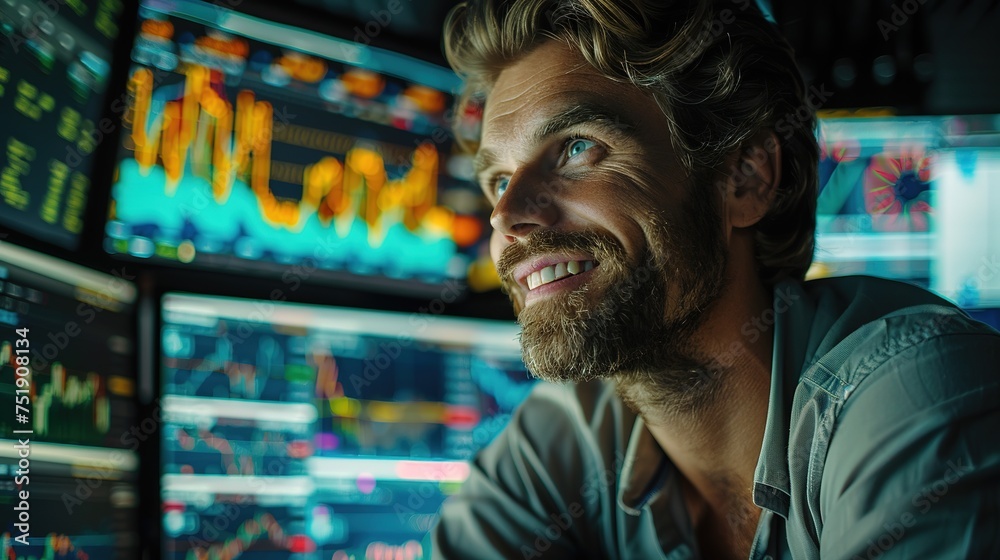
(502, 185)
(578, 146)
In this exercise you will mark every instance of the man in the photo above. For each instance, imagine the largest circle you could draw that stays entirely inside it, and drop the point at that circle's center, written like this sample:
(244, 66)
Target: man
(653, 174)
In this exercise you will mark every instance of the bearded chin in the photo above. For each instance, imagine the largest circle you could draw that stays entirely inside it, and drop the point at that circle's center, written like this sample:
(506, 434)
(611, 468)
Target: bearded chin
(613, 325)
(618, 326)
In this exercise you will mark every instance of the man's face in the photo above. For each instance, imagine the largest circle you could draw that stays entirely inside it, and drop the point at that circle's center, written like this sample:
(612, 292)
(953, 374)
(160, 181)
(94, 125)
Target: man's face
(609, 254)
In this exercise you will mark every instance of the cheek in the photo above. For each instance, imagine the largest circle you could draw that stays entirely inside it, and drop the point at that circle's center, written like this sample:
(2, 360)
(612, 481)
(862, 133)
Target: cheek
(497, 245)
(625, 205)
(643, 188)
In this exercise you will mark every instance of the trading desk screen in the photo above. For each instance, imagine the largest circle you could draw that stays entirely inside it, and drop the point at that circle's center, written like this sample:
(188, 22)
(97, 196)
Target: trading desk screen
(254, 144)
(54, 64)
(304, 432)
(68, 462)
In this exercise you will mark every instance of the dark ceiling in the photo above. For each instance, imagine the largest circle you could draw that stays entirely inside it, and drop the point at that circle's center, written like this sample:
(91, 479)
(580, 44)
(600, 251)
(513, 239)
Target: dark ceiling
(918, 56)
(412, 19)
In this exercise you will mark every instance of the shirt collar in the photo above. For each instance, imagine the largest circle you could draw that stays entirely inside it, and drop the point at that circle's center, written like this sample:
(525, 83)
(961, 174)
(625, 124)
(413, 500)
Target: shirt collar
(644, 471)
(794, 314)
(649, 479)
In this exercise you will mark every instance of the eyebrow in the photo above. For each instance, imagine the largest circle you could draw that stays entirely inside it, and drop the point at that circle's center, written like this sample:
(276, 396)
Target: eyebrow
(584, 113)
(590, 114)
(485, 158)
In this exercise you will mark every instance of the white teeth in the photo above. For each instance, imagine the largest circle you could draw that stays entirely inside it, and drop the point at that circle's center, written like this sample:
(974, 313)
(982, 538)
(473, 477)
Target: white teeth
(557, 272)
(560, 270)
(548, 274)
(534, 280)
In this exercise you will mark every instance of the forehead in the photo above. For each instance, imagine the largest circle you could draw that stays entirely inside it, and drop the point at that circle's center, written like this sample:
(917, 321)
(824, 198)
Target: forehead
(546, 81)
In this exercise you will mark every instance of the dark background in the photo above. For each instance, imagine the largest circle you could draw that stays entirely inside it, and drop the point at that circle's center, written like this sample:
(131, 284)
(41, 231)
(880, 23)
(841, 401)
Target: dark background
(919, 56)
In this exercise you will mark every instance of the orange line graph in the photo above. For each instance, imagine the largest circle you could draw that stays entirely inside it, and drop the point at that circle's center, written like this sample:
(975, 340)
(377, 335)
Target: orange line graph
(203, 134)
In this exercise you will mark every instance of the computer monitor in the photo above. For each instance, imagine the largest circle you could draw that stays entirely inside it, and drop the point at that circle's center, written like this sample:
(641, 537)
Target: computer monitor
(911, 198)
(874, 212)
(250, 145)
(55, 60)
(967, 267)
(68, 450)
(337, 432)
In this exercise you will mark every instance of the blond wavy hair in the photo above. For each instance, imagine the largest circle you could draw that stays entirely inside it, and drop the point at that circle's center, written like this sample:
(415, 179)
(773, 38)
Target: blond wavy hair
(720, 72)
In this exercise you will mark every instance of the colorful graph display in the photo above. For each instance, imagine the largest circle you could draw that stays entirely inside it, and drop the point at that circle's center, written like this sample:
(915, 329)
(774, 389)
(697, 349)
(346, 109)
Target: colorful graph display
(82, 380)
(328, 420)
(238, 447)
(241, 148)
(907, 198)
(77, 410)
(54, 67)
(251, 531)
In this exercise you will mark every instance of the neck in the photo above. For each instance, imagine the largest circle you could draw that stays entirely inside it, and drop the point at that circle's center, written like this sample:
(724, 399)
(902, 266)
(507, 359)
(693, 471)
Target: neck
(714, 431)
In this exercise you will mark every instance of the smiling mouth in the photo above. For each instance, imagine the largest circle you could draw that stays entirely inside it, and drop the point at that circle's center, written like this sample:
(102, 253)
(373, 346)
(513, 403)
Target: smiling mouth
(556, 272)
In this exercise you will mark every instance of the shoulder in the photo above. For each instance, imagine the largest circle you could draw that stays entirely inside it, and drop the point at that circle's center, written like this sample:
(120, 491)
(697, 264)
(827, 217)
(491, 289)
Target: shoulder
(845, 304)
(862, 323)
(891, 348)
(881, 331)
(910, 394)
(548, 480)
(914, 361)
(912, 449)
(569, 430)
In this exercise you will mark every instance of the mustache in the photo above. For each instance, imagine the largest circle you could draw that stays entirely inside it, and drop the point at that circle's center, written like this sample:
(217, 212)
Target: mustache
(604, 248)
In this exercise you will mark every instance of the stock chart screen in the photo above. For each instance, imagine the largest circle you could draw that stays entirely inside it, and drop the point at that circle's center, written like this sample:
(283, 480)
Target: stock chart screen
(55, 58)
(255, 144)
(68, 461)
(305, 432)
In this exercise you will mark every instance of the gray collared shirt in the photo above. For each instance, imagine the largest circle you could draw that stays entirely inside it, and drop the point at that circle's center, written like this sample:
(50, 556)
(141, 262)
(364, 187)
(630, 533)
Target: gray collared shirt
(882, 441)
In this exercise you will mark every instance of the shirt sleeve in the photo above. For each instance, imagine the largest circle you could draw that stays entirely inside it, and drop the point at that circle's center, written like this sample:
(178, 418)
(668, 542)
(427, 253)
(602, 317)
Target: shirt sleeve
(913, 468)
(534, 491)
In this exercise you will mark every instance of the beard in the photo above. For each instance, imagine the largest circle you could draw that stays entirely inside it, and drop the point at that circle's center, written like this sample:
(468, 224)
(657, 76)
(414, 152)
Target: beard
(634, 320)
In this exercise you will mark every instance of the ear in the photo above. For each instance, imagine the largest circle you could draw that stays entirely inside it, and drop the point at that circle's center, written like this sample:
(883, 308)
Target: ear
(752, 184)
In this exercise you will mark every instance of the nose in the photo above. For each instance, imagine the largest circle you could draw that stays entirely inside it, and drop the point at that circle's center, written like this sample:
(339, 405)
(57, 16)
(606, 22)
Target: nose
(526, 205)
